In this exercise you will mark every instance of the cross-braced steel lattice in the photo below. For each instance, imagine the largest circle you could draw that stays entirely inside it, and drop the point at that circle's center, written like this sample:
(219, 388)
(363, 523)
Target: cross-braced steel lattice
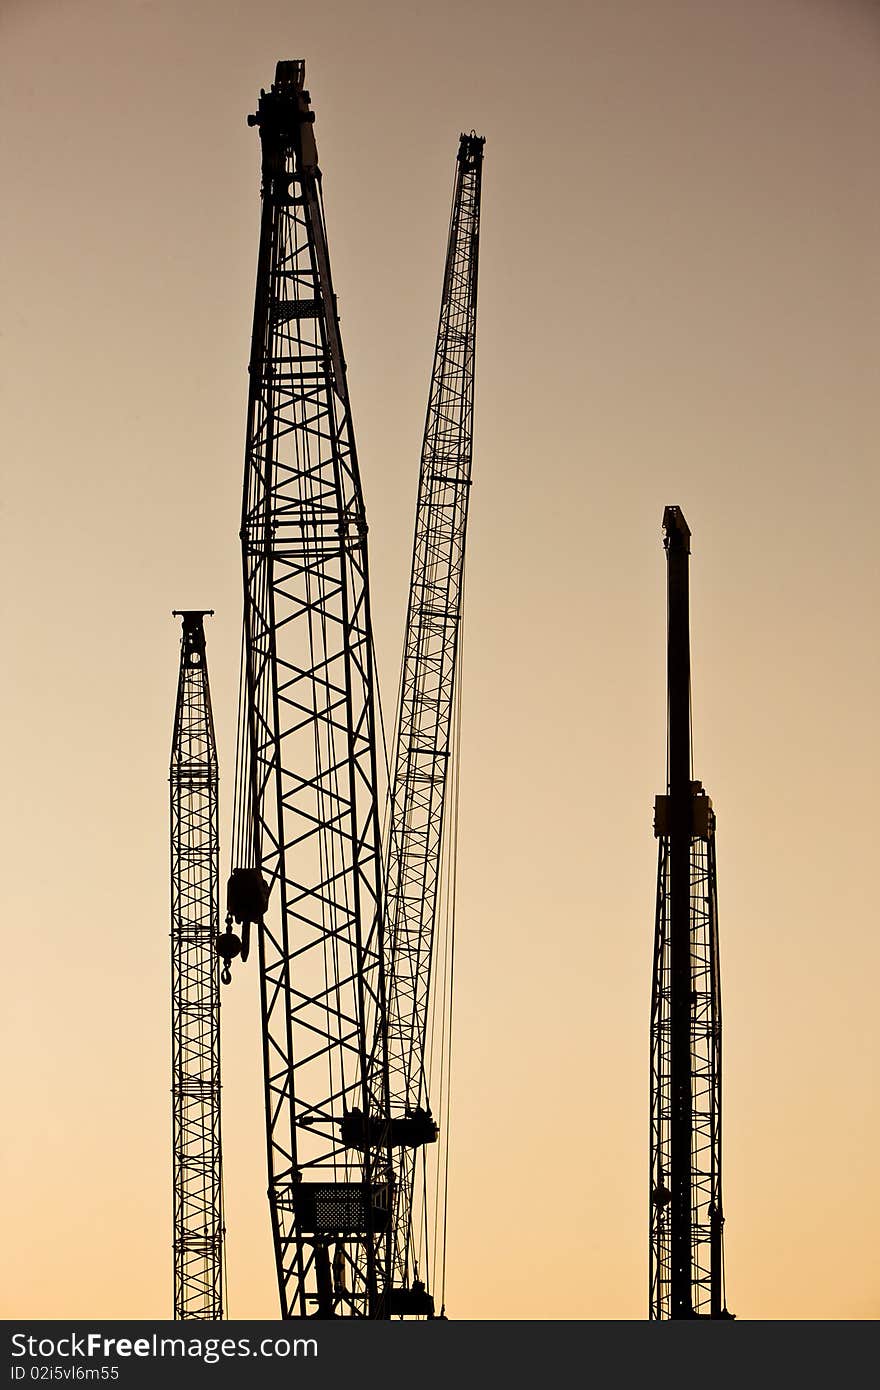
(306, 813)
(705, 1083)
(425, 751)
(686, 1212)
(195, 1008)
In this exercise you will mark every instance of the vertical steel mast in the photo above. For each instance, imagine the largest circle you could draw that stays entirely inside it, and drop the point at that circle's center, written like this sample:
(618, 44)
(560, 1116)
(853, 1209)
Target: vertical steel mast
(686, 1266)
(425, 753)
(307, 868)
(195, 996)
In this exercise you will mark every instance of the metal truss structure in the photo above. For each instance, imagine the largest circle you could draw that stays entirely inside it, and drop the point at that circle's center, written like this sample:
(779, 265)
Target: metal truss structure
(195, 1008)
(686, 1211)
(420, 831)
(307, 852)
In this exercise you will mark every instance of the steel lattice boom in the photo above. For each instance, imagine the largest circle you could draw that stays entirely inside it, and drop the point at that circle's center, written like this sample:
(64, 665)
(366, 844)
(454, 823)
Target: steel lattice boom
(308, 832)
(686, 1265)
(425, 752)
(195, 1011)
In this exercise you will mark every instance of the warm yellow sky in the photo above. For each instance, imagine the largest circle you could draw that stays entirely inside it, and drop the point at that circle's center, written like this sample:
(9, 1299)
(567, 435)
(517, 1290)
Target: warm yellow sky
(679, 303)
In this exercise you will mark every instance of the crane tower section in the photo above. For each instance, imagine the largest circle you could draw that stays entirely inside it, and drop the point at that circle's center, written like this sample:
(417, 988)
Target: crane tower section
(195, 1008)
(306, 858)
(420, 827)
(687, 1220)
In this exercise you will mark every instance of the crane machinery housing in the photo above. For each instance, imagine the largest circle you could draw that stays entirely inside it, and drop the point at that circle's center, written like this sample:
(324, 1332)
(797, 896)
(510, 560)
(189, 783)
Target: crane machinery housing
(420, 847)
(195, 996)
(306, 838)
(686, 1211)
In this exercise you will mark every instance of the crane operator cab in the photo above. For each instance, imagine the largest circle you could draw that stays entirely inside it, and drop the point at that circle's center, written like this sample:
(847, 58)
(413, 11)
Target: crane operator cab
(247, 898)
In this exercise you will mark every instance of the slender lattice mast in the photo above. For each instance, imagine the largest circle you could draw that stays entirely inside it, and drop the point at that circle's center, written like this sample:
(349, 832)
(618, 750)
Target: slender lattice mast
(421, 832)
(686, 1265)
(307, 868)
(195, 1009)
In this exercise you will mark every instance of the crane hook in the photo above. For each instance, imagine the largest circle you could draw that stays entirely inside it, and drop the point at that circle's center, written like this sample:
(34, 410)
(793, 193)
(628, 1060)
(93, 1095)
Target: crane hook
(228, 947)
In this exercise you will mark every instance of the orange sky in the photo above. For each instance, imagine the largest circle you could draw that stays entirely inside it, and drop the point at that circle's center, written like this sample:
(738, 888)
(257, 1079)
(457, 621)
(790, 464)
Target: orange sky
(679, 303)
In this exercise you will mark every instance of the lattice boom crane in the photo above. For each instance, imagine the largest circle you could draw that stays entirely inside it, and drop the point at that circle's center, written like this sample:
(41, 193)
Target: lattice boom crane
(195, 989)
(686, 1263)
(306, 853)
(422, 826)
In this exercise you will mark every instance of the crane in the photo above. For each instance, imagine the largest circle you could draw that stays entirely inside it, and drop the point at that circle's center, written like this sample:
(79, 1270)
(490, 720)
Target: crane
(686, 1210)
(306, 871)
(421, 826)
(195, 996)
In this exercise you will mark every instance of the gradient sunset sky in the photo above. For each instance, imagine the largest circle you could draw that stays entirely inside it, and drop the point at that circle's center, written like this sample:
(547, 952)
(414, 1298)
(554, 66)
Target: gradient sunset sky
(679, 304)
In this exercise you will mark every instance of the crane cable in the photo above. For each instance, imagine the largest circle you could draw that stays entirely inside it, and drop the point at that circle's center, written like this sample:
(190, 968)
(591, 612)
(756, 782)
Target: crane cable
(451, 905)
(224, 1297)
